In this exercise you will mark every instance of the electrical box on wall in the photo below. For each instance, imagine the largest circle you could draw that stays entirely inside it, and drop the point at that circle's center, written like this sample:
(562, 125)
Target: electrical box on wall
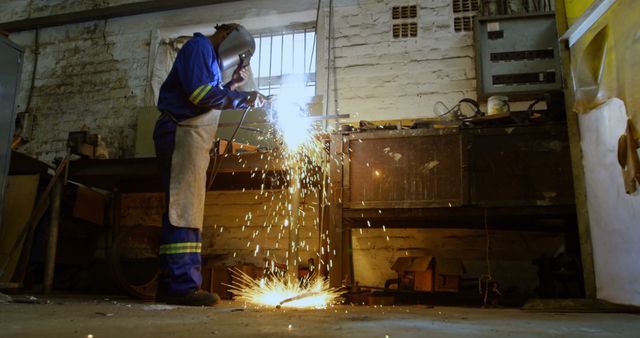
(517, 55)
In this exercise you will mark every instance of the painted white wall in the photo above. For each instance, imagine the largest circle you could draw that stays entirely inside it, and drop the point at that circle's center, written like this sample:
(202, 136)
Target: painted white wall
(614, 216)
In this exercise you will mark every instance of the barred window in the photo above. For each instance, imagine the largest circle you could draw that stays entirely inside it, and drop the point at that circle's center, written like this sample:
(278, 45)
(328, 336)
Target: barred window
(282, 54)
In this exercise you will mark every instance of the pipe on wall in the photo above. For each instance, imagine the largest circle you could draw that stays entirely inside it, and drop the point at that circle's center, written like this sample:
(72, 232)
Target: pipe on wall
(104, 13)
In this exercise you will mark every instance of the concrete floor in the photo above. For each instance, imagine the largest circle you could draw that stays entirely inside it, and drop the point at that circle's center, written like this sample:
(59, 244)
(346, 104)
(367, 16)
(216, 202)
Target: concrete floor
(81, 317)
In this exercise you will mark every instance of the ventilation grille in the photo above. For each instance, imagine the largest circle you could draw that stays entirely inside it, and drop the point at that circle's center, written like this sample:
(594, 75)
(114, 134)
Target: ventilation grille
(404, 12)
(463, 23)
(405, 30)
(460, 6)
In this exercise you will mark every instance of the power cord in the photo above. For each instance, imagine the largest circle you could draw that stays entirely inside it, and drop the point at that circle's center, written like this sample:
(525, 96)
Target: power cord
(217, 163)
(487, 278)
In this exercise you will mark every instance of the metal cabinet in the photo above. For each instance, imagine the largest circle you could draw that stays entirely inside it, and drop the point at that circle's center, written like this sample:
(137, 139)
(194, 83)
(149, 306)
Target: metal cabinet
(512, 177)
(404, 169)
(523, 166)
(517, 55)
(10, 71)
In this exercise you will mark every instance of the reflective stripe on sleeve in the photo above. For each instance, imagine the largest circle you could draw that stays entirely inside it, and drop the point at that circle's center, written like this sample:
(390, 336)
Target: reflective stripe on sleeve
(176, 248)
(199, 93)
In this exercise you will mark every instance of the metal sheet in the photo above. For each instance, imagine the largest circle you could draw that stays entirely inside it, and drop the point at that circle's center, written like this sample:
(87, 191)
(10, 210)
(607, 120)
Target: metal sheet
(411, 171)
(507, 64)
(10, 70)
(526, 166)
(142, 174)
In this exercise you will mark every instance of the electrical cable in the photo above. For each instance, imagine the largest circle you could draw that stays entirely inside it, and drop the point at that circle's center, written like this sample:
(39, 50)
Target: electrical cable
(315, 34)
(532, 105)
(458, 114)
(217, 163)
(332, 29)
(36, 51)
(326, 105)
(447, 110)
(488, 248)
(486, 277)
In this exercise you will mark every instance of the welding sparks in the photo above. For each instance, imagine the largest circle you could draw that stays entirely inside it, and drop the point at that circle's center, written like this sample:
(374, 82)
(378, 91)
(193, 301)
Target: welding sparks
(291, 107)
(281, 291)
(304, 161)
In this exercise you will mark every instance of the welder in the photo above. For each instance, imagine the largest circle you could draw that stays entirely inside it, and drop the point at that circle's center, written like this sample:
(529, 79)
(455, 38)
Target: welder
(190, 101)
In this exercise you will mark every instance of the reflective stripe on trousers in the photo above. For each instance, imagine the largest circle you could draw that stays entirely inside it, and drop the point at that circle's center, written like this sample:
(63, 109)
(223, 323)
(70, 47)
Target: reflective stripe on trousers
(179, 259)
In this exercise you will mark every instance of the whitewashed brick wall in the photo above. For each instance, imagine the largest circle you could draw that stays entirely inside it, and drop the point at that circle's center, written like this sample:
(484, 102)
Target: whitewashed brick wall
(382, 78)
(511, 253)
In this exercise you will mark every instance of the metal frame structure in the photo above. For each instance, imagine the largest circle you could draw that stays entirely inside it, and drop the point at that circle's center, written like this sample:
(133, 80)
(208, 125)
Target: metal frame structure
(474, 203)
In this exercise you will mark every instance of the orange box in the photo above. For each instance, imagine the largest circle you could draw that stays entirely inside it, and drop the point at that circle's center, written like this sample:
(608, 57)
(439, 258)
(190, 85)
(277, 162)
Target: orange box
(428, 273)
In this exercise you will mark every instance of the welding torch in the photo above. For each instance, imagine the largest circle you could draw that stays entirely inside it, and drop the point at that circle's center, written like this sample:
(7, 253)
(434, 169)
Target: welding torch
(217, 163)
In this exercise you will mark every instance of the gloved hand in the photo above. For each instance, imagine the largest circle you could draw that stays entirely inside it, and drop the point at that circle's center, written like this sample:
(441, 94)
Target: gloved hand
(257, 100)
(239, 77)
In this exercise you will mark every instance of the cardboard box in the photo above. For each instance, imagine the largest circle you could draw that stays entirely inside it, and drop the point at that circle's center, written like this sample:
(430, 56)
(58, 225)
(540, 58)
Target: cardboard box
(89, 206)
(428, 273)
(19, 200)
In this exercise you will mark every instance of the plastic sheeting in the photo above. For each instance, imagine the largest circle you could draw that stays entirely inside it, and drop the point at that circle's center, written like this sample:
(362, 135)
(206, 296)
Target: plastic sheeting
(604, 65)
(614, 215)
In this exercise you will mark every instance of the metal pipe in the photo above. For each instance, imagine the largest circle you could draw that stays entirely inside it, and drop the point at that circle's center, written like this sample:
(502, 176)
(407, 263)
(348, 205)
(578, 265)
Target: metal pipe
(294, 233)
(219, 159)
(104, 13)
(298, 297)
(54, 223)
(312, 118)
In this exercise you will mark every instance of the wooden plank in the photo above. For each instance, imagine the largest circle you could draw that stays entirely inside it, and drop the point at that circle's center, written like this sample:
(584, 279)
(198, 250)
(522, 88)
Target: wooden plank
(579, 184)
(19, 200)
(336, 272)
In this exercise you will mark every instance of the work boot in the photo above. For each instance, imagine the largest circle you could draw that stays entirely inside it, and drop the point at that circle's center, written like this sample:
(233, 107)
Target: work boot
(192, 297)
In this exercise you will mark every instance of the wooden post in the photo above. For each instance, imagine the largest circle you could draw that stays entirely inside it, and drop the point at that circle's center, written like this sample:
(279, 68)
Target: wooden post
(294, 234)
(579, 184)
(54, 222)
(335, 212)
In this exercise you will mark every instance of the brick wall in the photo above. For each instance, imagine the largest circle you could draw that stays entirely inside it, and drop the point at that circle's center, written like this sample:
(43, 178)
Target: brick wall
(511, 253)
(379, 77)
(239, 226)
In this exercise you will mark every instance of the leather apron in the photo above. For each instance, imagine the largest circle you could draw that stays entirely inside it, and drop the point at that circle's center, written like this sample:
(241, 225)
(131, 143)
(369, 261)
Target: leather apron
(189, 163)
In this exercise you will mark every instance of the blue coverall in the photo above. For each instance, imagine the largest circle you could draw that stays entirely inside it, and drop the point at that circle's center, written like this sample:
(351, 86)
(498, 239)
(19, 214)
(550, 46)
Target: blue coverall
(193, 87)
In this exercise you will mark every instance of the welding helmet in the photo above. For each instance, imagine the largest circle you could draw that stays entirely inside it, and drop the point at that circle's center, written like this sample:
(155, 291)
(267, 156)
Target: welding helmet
(237, 48)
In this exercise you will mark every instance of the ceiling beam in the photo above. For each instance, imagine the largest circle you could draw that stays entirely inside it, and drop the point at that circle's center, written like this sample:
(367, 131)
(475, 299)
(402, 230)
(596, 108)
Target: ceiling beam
(104, 13)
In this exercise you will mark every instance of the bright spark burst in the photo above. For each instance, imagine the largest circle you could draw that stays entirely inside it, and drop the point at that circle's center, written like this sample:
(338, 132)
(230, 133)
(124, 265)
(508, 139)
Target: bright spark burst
(280, 291)
(305, 162)
(291, 107)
